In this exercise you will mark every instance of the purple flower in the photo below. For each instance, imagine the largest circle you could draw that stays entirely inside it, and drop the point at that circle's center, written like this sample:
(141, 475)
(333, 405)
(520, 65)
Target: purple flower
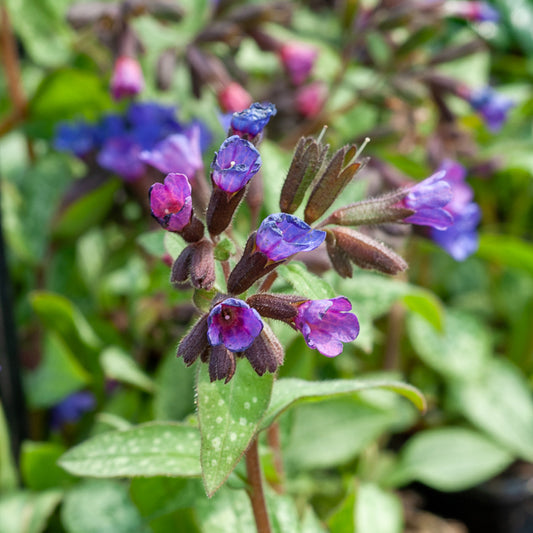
(177, 153)
(281, 235)
(298, 60)
(110, 126)
(474, 11)
(491, 105)
(326, 324)
(127, 79)
(151, 122)
(235, 164)
(76, 137)
(427, 199)
(254, 119)
(234, 324)
(460, 240)
(121, 155)
(71, 409)
(171, 202)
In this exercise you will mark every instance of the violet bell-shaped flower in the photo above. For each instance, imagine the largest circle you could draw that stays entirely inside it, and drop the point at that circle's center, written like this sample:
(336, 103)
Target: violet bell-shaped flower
(235, 164)
(77, 137)
(121, 155)
(491, 105)
(281, 235)
(298, 60)
(460, 240)
(234, 324)
(327, 324)
(127, 79)
(252, 121)
(179, 153)
(71, 409)
(171, 202)
(427, 199)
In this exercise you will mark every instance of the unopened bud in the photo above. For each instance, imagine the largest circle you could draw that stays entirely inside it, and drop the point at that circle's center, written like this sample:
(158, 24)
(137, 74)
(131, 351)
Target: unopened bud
(266, 353)
(339, 172)
(195, 343)
(196, 262)
(277, 306)
(366, 252)
(222, 206)
(221, 363)
(306, 162)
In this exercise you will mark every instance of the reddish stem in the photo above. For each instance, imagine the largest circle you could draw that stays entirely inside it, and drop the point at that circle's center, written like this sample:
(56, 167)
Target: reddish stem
(255, 490)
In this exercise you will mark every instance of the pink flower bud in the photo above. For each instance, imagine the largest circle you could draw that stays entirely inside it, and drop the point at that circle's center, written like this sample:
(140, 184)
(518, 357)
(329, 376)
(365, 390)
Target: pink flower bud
(234, 98)
(127, 78)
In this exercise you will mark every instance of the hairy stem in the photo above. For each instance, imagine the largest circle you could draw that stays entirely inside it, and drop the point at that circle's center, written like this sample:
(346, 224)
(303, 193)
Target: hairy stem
(255, 490)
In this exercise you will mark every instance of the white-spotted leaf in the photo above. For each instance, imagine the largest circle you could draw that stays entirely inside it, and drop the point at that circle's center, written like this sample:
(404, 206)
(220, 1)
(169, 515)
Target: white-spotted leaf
(229, 415)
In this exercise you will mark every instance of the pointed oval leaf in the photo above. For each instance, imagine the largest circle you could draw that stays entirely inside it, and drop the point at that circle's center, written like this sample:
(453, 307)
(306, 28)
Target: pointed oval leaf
(118, 365)
(289, 391)
(229, 417)
(156, 449)
(451, 459)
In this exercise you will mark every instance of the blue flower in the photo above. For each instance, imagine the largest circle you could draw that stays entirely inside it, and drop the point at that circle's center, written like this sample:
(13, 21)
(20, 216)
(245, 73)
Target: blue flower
(77, 137)
(460, 240)
(121, 155)
(427, 199)
(252, 121)
(492, 106)
(235, 164)
(281, 235)
(71, 409)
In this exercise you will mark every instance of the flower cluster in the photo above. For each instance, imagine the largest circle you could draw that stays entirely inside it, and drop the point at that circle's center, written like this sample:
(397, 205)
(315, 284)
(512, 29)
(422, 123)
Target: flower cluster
(235, 323)
(148, 133)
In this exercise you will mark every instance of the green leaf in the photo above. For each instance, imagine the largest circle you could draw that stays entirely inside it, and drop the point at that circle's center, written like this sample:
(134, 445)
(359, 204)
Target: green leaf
(228, 511)
(8, 472)
(157, 496)
(343, 518)
(153, 242)
(427, 305)
(24, 512)
(224, 249)
(519, 25)
(377, 511)
(304, 282)
(155, 449)
(91, 256)
(174, 394)
(460, 352)
(342, 426)
(42, 28)
(229, 415)
(451, 459)
(174, 244)
(118, 365)
(38, 464)
(57, 376)
(101, 506)
(500, 404)
(507, 250)
(61, 315)
(86, 211)
(290, 391)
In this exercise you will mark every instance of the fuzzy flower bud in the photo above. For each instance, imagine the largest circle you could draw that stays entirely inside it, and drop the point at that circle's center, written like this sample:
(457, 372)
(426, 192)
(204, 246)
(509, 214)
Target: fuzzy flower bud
(326, 324)
(171, 202)
(298, 60)
(310, 99)
(252, 121)
(127, 79)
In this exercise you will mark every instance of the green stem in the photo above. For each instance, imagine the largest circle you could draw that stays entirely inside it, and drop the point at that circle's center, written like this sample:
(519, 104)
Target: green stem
(255, 490)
